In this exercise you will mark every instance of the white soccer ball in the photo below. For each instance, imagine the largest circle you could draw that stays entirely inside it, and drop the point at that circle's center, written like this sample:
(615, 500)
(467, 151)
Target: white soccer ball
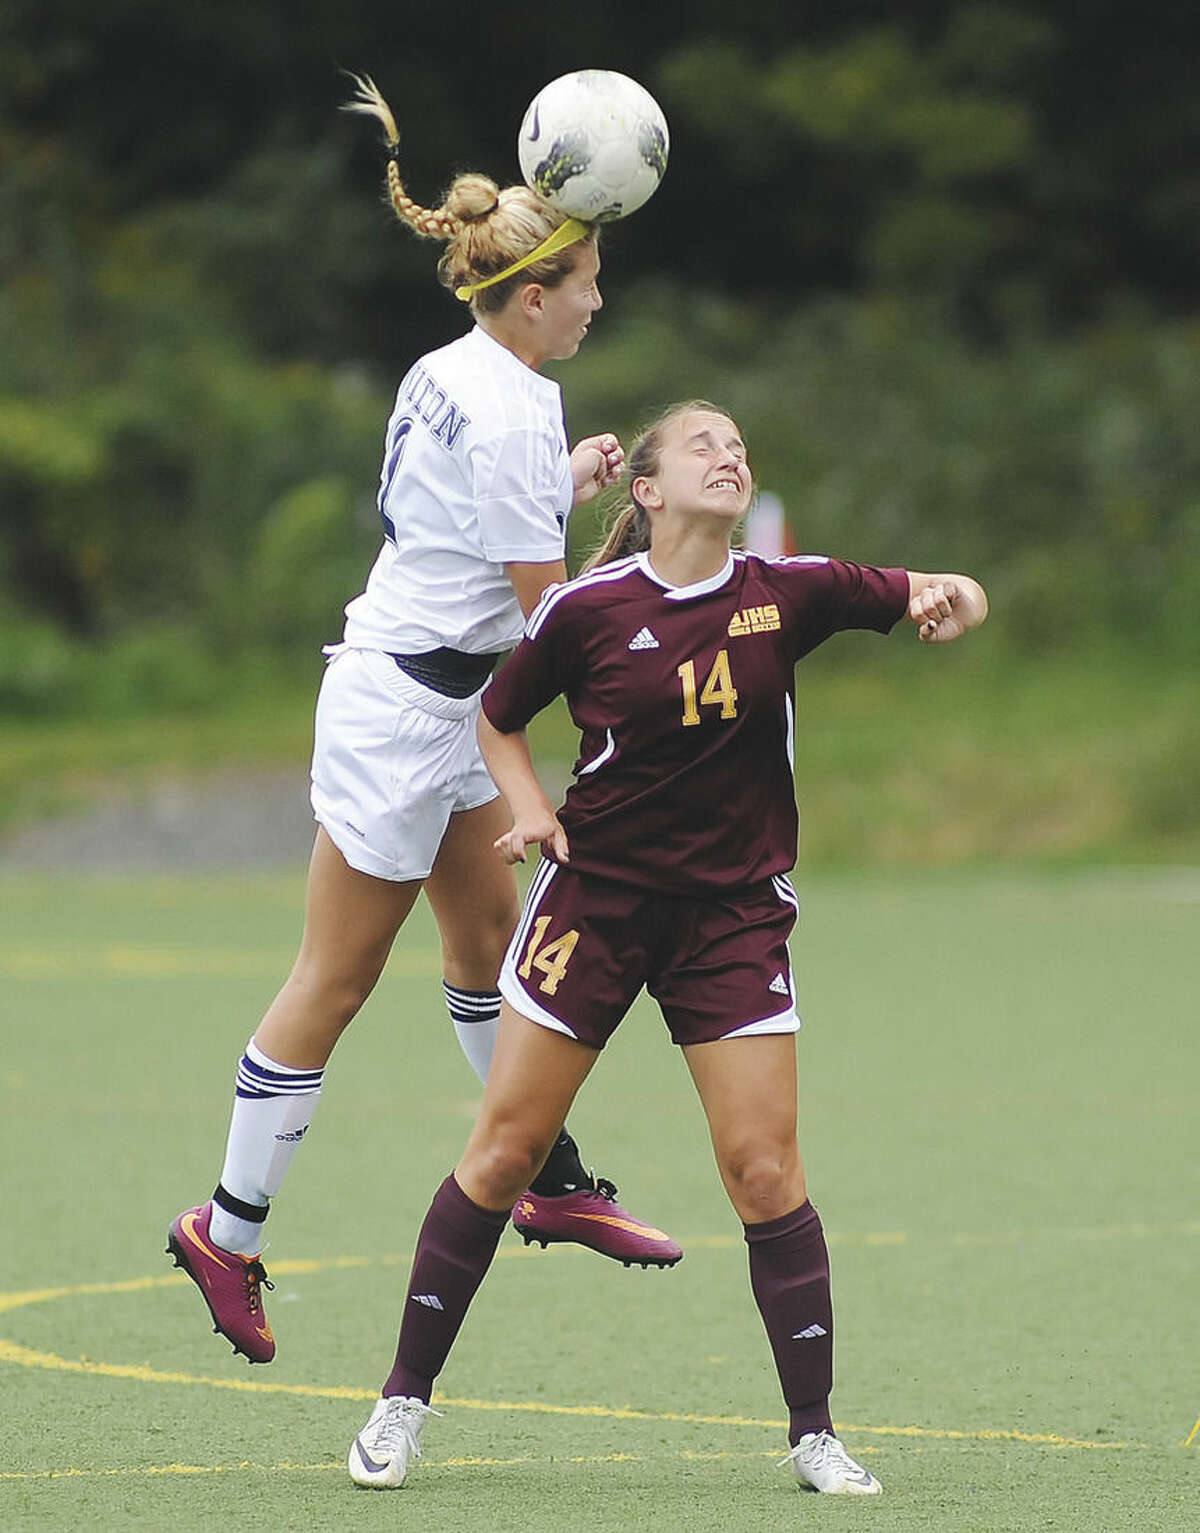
(594, 144)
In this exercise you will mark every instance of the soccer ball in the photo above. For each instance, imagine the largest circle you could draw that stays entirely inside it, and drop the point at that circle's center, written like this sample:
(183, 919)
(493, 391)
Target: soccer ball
(594, 144)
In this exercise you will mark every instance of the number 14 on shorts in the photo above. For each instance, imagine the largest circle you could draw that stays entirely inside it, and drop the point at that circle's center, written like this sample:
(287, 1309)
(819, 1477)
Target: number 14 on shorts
(552, 959)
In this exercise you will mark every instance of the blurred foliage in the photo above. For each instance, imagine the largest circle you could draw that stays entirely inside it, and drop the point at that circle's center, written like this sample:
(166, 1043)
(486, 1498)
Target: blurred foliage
(1065, 472)
(939, 259)
(144, 444)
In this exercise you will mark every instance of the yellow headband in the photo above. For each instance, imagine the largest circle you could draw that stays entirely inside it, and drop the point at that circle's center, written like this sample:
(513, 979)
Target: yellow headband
(566, 234)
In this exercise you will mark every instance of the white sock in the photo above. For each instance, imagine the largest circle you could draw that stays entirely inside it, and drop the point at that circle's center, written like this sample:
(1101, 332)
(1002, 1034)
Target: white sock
(476, 1016)
(272, 1110)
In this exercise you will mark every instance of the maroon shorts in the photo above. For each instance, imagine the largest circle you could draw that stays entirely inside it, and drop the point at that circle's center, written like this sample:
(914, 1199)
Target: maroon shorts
(716, 964)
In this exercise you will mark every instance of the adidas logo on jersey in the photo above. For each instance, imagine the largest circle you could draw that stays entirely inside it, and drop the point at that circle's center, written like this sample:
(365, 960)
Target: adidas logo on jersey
(779, 985)
(754, 620)
(643, 639)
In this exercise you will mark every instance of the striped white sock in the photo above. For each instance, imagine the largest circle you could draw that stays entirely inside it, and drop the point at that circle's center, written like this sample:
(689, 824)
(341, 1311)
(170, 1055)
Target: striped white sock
(476, 1015)
(272, 1110)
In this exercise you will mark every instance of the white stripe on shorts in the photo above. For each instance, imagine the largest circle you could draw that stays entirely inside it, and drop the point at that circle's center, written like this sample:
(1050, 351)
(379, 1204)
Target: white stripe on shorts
(537, 887)
(511, 987)
(788, 1020)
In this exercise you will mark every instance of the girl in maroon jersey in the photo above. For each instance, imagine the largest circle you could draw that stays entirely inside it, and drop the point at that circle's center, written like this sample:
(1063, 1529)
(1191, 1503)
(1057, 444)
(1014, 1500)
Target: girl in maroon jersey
(665, 868)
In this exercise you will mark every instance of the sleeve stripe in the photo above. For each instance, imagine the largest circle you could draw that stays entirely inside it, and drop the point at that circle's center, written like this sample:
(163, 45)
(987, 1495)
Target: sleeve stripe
(554, 594)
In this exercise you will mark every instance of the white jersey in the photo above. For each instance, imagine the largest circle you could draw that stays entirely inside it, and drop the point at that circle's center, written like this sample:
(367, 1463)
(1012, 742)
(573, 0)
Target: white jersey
(476, 474)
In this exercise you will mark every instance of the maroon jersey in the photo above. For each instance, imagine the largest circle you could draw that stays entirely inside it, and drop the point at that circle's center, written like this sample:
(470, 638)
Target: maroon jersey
(684, 699)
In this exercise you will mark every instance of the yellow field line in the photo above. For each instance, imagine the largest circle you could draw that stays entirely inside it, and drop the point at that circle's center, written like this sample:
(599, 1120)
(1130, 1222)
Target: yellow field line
(14, 1353)
(298, 1266)
(1191, 1437)
(619, 1413)
(10, 1301)
(881, 1238)
(458, 1461)
(26, 1357)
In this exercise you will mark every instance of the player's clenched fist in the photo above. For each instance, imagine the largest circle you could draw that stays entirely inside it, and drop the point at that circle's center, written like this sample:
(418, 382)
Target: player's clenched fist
(945, 607)
(596, 463)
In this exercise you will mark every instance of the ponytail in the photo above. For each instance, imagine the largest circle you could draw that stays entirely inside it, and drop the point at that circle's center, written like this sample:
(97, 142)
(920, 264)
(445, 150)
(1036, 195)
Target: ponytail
(628, 533)
(486, 229)
(629, 530)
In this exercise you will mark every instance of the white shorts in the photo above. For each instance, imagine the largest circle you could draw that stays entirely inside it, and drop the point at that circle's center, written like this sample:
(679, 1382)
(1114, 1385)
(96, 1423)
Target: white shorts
(392, 761)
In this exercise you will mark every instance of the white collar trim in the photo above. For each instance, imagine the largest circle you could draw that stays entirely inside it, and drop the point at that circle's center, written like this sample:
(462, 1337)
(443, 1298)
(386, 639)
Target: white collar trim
(684, 593)
(506, 358)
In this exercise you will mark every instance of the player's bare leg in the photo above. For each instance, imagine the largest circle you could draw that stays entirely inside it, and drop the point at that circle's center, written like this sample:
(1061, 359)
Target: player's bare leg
(473, 896)
(748, 1088)
(475, 933)
(566, 1201)
(474, 899)
(351, 920)
(533, 1080)
(350, 923)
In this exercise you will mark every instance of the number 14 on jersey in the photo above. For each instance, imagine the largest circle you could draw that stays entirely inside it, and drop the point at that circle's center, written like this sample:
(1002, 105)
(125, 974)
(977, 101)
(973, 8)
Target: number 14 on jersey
(718, 689)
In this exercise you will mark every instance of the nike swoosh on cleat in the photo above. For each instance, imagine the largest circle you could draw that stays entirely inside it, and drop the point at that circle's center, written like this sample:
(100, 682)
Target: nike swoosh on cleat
(367, 1461)
(188, 1225)
(624, 1224)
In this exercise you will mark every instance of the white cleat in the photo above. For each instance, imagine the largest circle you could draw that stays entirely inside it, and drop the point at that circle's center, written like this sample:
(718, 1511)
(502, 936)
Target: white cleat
(386, 1446)
(820, 1462)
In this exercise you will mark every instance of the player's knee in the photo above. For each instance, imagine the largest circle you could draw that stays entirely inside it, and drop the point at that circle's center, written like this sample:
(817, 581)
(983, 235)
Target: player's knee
(765, 1180)
(337, 994)
(506, 1164)
(473, 959)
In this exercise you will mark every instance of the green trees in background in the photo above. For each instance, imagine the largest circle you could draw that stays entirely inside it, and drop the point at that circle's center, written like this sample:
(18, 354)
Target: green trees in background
(938, 258)
(165, 488)
(1066, 470)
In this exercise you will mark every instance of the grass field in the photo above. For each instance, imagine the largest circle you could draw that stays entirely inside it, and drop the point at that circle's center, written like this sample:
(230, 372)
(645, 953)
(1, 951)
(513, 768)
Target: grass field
(1001, 1129)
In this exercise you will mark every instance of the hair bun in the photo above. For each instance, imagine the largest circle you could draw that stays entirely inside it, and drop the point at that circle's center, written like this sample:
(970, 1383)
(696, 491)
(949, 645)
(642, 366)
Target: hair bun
(472, 197)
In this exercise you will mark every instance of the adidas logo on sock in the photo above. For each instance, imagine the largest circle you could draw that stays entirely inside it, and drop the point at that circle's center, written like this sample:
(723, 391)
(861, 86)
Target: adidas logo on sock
(429, 1300)
(643, 639)
(779, 985)
(810, 1333)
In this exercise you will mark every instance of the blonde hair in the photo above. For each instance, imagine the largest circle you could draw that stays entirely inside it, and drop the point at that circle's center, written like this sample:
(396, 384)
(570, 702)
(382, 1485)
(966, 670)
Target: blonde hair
(628, 529)
(486, 229)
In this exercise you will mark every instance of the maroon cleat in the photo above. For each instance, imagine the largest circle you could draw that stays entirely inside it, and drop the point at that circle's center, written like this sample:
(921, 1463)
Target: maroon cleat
(231, 1284)
(592, 1217)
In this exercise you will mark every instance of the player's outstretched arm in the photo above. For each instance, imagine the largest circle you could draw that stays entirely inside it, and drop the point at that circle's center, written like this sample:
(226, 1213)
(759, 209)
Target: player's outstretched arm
(534, 820)
(944, 607)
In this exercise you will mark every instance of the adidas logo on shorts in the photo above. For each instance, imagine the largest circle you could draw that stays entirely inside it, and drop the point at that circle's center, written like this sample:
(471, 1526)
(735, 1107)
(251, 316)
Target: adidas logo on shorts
(643, 639)
(779, 985)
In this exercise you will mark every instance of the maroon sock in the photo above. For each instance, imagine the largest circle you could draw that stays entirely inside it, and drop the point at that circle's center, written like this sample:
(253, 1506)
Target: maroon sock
(789, 1273)
(454, 1251)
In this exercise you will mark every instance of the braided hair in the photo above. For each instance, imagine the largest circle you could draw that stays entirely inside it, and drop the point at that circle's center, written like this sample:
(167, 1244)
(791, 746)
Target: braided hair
(486, 229)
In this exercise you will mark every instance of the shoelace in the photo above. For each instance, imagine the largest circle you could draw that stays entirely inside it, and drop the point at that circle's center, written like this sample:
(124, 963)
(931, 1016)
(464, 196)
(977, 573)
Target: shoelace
(826, 1451)
(399, 1424)
(603, 1188)
(256, 1281)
